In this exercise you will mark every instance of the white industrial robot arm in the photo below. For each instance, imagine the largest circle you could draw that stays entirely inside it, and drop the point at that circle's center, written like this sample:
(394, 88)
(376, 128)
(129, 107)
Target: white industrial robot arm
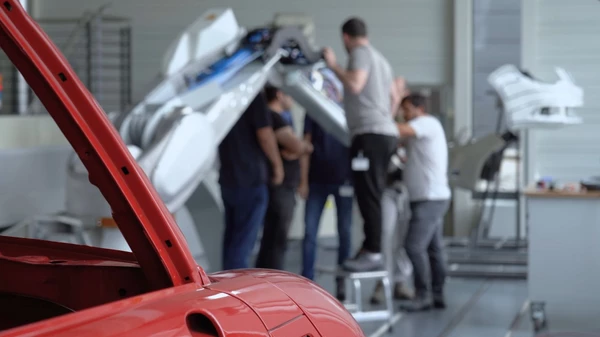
(179, 137)
(208, 78)
(305, 83)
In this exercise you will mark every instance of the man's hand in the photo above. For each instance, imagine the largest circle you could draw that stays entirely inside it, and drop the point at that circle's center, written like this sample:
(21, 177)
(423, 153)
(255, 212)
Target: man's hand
(308, 147)
(278, 175)
(287, 155)
(303, 190)
(329, 56)
(406, 130)
(402, 153)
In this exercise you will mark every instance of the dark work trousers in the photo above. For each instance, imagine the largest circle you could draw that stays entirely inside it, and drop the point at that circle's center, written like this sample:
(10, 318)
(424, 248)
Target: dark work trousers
(369, 185)
(278, 220)
(425, 246)
(245, 209)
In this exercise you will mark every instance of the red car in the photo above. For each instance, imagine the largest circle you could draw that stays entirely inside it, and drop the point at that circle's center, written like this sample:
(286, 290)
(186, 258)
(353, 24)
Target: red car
(56, 289)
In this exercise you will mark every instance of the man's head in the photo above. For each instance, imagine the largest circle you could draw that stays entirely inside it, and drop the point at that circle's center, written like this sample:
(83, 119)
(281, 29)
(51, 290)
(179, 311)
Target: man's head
(354, 32)
(413, 106)
(277, 100)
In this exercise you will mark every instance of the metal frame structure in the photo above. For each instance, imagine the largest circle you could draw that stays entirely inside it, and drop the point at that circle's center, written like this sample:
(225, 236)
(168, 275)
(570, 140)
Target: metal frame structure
(98, 47)
(482, 256)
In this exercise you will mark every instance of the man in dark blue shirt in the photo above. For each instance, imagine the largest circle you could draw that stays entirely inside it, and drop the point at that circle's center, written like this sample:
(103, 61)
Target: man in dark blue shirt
(282, 198)
(325, 172)
(247, 154)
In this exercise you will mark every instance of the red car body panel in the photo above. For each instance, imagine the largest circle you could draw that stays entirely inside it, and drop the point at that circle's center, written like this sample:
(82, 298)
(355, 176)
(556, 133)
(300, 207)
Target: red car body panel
(57, 289)
(143, 219)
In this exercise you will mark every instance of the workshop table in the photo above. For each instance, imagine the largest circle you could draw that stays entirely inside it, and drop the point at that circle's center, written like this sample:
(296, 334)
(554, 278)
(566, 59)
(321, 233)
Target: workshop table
(564, 258)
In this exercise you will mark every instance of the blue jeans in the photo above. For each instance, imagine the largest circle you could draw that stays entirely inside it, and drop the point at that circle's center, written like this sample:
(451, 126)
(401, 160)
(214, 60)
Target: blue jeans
(245, 209)
(317, 197)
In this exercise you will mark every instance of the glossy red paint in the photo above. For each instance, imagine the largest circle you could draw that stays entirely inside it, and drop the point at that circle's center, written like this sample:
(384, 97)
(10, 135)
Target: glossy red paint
(56, 289)
(170, 312)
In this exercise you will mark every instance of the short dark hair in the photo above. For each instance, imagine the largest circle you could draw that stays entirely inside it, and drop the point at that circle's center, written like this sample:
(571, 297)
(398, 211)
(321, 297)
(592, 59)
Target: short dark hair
(271, 93)
(355, 27)
(416, 100)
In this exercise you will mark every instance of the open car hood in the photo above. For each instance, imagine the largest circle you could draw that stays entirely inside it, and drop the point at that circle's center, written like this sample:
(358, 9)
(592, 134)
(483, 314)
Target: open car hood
(146, 224)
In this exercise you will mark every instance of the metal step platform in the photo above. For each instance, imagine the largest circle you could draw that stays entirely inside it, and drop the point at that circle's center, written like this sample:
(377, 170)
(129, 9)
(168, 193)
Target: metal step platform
(356, 307)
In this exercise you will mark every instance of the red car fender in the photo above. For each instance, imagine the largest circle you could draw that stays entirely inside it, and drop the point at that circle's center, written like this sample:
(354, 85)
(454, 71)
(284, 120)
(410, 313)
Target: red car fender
(325, 312)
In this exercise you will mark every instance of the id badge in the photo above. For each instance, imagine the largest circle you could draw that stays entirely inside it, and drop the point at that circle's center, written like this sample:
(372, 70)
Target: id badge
(360, 163)
(346, 191)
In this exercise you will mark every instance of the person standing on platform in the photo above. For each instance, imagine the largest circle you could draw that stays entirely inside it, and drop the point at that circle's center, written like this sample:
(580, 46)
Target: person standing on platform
(396, 213)
(326, 172)
(246, 154)
(370, 96)
(282, 198)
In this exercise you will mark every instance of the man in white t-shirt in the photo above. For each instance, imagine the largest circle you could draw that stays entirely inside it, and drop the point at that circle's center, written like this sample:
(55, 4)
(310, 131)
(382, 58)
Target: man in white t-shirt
(425, 176)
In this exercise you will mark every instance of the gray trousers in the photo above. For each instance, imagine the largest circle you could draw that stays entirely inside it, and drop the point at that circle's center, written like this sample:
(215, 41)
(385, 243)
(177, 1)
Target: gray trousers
(425, 247)
(395, 211)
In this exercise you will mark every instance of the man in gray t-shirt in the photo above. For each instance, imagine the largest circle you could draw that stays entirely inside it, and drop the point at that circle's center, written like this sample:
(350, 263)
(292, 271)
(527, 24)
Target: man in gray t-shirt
(370, 96)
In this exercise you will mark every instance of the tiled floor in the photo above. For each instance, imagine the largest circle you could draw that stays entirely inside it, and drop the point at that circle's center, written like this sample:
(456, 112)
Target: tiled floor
(476, 308)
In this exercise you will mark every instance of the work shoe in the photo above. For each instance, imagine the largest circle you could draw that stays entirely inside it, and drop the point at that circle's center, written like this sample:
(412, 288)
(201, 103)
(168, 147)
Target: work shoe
(438, 301)
(417, 304)
(364, 261)
(400, 292)
(340, 289)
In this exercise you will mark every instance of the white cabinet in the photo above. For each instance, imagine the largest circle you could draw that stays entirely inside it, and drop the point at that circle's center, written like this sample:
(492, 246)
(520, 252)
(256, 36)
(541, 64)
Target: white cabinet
(564, 258)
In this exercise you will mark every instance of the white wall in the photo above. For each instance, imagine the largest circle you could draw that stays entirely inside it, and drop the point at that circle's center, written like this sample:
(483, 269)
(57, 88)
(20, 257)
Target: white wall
(462, 203)
(413, 34)
(565, 34)
(19, 132)
(34, 153)
(496, 42)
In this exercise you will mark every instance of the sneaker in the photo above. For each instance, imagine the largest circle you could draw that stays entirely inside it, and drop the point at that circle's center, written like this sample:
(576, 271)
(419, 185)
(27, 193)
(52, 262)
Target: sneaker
(401, 293)
(340, 289)
(417, 304)
(364, 262)
(378, 295)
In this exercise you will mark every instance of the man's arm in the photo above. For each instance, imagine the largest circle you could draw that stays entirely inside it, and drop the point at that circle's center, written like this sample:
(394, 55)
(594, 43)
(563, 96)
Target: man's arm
(303, 188)
(263, 124)
(293, 146)
(268, 143)
(416, 128)
(355, 78)
(406, 130)
(399, 91)
(305, 162)
(394, 98)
